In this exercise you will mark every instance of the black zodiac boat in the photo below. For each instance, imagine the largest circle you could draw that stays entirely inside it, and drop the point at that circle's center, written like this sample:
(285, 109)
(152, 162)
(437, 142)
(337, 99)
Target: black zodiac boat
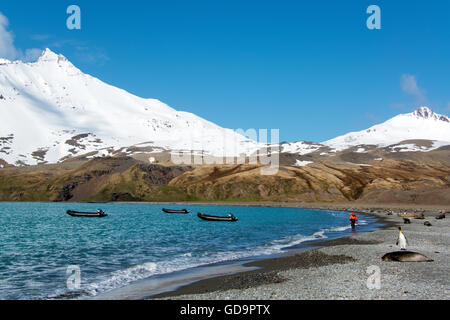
(175, 211)
(98, 214)
(229, 218)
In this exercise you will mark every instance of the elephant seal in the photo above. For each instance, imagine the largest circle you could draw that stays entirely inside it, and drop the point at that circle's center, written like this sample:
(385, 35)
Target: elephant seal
(405, 256)
(406, 221)
(427, 223)
(441, 216)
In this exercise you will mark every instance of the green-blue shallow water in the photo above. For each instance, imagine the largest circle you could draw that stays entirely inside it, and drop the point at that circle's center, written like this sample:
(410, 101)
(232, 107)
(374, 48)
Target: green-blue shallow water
(39, 241)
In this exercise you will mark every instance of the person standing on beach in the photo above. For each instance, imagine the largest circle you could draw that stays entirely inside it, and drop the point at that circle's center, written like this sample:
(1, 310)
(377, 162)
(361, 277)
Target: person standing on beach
(353, 219)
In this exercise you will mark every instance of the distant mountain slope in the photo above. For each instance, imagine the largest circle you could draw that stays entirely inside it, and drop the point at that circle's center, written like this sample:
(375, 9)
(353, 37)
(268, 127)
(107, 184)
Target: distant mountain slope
(332, 180)
(388, 181)
(101, 179)
(50, 111)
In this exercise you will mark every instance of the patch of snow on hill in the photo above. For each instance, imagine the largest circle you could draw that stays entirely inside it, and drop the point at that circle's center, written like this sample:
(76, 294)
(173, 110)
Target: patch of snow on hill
(411, 147)
(300, 147)
(299, 163)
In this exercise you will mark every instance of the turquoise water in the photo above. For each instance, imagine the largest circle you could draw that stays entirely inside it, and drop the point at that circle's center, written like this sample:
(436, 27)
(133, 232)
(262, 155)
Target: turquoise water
(38, 242)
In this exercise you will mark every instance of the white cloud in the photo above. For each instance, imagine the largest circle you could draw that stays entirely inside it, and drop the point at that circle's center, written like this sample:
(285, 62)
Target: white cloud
(32, 54)
(40, 37)
(7, 47)
(91, 55)
(410, 86)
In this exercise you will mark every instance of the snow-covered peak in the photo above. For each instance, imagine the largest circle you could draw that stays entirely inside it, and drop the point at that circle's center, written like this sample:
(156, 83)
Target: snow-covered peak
(427, 113)
(423, 123)
(423, 112)
(49, 56)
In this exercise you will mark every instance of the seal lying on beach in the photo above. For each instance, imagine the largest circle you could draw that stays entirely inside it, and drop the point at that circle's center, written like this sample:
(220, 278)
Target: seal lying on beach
(441, 216)
(413, 215)
(405, 256)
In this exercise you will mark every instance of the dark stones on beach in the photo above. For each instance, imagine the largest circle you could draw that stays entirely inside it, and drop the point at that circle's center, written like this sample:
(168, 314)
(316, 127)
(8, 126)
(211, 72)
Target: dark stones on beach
(267, 273)
(248, 280)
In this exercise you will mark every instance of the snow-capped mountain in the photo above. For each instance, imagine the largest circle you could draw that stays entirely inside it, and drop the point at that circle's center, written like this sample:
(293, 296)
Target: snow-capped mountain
(50, 110)
(420, 124)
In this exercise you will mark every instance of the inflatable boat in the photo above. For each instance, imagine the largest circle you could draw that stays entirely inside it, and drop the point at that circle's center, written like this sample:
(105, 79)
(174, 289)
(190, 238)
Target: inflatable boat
(175, 211)
(98, 214)
(229, 218)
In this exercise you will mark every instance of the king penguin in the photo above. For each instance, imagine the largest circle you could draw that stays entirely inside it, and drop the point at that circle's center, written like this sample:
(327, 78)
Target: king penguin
(401, 240)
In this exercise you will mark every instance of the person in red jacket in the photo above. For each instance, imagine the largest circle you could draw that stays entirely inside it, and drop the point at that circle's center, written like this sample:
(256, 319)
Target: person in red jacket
(353, 220)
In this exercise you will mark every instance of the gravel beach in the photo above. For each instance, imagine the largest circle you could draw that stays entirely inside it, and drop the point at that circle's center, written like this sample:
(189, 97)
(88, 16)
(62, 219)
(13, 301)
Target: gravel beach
(343, 268)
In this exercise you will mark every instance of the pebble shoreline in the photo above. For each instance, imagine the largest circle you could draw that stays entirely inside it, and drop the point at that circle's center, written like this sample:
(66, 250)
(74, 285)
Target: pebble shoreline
(339, 269)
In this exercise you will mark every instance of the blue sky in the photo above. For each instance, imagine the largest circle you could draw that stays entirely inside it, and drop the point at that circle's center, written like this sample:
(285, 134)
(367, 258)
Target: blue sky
(309, 68)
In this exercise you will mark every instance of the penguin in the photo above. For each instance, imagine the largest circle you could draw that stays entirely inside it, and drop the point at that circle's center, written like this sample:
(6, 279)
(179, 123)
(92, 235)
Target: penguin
(401, 240)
